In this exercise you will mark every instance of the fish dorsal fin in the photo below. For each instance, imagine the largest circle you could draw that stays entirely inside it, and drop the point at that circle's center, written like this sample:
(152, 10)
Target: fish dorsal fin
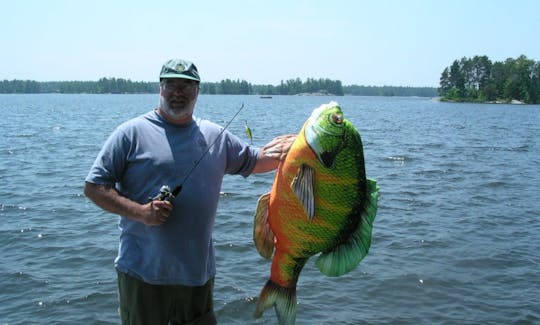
(303, 186)
(262, 234)
(346, 256)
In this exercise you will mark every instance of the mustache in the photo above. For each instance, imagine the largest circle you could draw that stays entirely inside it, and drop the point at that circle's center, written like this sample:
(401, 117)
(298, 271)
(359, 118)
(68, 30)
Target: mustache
(177, 98)
(177, 102)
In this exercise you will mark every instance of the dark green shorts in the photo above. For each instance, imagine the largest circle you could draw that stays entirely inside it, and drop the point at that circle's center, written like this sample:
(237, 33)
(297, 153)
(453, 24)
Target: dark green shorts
(142, 303)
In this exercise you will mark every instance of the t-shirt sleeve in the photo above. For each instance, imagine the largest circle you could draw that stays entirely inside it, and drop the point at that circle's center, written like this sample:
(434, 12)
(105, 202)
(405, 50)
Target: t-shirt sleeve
(109, 166)
(241, 157)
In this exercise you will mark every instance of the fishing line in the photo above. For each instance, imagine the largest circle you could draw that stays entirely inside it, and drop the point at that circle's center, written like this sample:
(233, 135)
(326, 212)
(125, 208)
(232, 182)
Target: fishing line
(178, 189)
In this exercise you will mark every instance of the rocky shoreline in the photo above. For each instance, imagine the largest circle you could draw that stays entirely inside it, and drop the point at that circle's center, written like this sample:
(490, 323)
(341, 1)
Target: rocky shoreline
(512, 102)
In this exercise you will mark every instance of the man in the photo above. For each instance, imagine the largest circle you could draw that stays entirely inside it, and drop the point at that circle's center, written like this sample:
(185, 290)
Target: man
(166, 262)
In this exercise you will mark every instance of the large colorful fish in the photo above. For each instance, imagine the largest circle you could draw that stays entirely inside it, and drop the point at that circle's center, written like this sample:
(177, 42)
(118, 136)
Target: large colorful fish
(320, 202)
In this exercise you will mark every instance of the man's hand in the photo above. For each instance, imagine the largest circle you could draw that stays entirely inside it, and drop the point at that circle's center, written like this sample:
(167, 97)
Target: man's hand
(156, 212)
(279, 147)
(272, 153)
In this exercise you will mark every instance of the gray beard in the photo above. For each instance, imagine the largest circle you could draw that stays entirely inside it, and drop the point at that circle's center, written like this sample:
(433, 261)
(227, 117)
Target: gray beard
(178, 111)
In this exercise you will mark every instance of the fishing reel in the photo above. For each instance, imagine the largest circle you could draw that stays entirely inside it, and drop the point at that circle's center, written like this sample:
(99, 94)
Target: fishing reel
(165, 194)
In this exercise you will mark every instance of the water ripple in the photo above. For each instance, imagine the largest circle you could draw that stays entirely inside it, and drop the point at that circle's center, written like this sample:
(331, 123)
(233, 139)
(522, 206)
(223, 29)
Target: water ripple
(455, 240)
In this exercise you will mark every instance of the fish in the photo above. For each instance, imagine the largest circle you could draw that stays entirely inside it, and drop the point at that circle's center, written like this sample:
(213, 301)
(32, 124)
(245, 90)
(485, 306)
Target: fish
(321, 202)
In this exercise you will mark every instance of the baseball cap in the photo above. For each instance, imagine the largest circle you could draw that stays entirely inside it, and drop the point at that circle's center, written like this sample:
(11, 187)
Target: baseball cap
(177, 68)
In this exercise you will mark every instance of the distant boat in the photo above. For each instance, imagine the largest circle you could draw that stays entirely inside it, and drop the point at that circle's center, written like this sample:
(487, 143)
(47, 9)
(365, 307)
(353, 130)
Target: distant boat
(265, 97)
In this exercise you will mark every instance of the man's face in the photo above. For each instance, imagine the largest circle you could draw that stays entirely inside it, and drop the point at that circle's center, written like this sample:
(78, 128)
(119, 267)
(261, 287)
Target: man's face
(178, 97)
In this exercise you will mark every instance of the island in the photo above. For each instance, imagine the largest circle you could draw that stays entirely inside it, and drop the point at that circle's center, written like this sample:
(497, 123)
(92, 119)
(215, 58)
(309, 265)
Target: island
(477, 79)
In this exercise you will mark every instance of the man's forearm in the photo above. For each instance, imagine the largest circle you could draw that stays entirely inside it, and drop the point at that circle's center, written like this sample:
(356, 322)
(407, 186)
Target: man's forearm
(265, 163)
(110, 200)
(153, 213)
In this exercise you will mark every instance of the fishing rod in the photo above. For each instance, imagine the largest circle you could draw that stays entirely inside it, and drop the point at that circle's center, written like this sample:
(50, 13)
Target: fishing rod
(165, 192)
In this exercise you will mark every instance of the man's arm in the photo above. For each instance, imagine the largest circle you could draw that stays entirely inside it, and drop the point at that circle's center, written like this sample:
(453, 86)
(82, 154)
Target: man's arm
(153, 213)
(272, 153)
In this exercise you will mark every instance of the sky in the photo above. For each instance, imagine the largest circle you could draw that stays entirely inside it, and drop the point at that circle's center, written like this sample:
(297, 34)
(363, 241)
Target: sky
(359, 42)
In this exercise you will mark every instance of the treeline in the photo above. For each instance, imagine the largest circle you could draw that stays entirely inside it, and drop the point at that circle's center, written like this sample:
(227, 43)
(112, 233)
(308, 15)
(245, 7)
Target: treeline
(102, 86)
(480, 80)
(289, 87)
(224, 87)
(390, 91)
(122, 86)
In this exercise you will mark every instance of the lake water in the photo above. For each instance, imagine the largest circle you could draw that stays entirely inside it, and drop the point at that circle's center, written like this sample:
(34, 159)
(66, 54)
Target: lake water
(456, 239)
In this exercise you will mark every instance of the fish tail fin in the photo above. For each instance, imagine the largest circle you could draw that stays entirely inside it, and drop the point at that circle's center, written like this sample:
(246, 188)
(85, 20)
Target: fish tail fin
(283, 299)
(348, 255)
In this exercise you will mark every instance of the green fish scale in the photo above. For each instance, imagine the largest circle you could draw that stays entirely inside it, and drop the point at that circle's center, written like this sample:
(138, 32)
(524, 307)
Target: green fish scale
(338, 201)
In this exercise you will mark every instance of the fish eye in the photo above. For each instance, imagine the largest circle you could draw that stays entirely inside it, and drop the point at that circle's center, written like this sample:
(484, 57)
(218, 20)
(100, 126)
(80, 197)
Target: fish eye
(337, 118)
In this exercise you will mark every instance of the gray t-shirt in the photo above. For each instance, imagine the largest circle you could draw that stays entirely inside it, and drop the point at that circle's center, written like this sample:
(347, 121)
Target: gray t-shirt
(147, 152)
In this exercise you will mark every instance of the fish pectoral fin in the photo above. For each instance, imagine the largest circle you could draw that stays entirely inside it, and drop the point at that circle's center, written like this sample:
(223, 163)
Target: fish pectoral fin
(303, 186)
(346, 256)
(262, 233)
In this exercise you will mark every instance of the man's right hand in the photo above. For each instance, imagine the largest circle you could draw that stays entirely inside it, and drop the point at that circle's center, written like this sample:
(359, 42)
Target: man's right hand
(156, 212)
